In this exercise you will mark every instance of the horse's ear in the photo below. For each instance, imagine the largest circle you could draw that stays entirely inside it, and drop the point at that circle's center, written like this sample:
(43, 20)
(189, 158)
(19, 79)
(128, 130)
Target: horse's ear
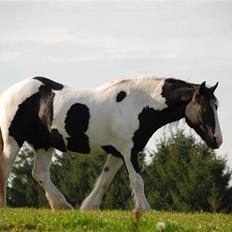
(212, 89)
(202, 88)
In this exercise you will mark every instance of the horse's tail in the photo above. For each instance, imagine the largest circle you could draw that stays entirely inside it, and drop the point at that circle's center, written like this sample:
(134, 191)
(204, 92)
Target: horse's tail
(2, 184)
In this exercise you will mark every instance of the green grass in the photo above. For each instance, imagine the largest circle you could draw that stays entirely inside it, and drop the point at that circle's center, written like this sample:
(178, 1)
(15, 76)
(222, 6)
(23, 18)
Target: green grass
(121, 221)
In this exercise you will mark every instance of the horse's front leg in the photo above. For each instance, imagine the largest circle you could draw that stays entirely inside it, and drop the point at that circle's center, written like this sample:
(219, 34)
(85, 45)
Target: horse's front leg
(93, 201)
(136, 182)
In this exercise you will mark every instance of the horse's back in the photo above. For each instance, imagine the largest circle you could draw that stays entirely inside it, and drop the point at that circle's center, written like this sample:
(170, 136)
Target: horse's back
(18, 92)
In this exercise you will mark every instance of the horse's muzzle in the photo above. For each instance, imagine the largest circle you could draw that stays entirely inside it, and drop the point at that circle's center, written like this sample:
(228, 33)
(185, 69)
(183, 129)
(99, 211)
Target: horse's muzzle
(216, 143)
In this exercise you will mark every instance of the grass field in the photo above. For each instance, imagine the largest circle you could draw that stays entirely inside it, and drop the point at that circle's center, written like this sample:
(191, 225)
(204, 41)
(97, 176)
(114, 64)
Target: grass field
(122, 221)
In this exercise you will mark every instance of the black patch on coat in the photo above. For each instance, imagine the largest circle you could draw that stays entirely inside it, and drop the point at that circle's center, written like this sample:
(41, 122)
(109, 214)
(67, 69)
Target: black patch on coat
(120, 96)
(177, 91)
(50, 83)
(109, 149)
(149, 121)
(76, 124)
(135, 162)
(31, 120)
(57, 140)
(106, 169)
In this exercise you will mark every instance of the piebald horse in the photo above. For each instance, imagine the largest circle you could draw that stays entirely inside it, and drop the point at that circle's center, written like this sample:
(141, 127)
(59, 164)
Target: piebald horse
(117, 118)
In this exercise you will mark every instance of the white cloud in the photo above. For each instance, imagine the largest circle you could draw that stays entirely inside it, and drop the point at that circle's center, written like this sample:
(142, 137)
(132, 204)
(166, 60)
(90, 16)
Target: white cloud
(8, 56)
(46, 36)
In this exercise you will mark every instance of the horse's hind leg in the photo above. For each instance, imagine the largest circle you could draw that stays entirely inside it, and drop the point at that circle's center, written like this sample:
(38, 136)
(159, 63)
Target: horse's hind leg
(41, 172)
(8, 151)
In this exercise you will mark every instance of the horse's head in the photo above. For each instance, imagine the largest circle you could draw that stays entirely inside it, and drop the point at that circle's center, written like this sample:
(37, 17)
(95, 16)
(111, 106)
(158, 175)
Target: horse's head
(201, 115)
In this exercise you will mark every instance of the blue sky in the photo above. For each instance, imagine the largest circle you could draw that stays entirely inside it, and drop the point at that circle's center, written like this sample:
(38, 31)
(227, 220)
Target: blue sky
(86, 43)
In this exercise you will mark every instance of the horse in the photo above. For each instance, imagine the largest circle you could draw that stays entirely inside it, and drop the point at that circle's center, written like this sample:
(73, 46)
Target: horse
(117, 118)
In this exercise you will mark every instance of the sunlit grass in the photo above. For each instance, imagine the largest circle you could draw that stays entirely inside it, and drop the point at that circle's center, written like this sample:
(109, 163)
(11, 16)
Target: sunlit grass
(47, 220)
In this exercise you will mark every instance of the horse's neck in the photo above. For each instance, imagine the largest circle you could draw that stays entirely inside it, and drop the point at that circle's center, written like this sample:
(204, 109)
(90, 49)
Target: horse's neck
(177, 95)
(159, 107)
(169, 97)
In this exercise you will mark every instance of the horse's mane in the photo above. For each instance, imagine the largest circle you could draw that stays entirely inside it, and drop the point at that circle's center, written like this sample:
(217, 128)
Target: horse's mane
(111, 84)
(177, 83)
(183, 84)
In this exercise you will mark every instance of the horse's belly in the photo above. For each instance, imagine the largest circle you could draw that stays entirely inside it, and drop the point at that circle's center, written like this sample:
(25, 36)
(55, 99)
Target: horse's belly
(76, 143)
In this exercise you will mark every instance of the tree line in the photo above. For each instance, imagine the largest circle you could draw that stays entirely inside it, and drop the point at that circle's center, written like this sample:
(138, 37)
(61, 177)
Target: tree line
(183, 175)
